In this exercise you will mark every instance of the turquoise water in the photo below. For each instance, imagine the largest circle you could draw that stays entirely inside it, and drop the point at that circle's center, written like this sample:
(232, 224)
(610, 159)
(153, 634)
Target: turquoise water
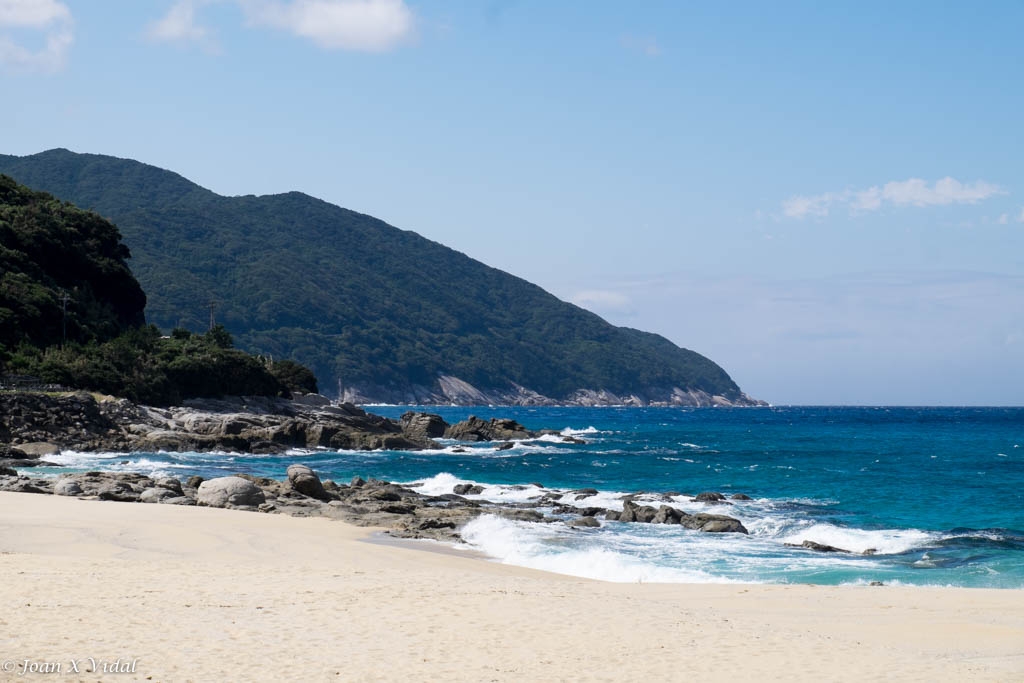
(937, 493)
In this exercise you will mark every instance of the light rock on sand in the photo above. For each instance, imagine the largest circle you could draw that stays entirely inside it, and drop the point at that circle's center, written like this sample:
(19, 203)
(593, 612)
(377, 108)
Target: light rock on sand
(202, 594)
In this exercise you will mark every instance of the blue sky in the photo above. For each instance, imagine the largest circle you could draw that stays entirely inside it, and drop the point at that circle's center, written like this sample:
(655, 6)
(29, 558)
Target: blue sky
(825, 198)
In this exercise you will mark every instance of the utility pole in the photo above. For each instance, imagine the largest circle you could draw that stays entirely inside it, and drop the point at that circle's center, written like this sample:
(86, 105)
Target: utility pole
(63, 318)
(213, 306)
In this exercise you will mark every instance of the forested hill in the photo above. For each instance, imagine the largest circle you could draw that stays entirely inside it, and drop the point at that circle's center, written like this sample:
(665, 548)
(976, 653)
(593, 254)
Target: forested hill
(377, 312)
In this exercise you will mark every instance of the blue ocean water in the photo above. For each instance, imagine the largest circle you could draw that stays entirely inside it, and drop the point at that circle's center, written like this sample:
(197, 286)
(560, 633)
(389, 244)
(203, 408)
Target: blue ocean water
(936, 493)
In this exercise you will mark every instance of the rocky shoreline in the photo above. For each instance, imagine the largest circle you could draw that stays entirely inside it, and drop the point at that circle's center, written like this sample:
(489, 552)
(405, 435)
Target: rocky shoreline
(402, 511)
(37, 424)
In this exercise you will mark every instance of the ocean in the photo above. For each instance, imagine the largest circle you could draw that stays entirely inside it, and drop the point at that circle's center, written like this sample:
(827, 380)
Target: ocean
(919, 496)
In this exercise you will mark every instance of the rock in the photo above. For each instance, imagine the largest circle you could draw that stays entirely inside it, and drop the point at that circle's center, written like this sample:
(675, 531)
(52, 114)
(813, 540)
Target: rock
(13, 453)
(357, 482)
(194, 482)
(422, 426)
(612, 515)
(876, 583)
(870, 551)
(667, 515)
(170, 483)
(715, 524)
(8, 472)
(740, 496)
(497, 429)
(157, 495)
(229, 491)
(573, 439)
(398, 509)
(710, 497)
(39, 449)
(118, 491)
(468, 489)
(631, 512)
(67, 487)
(507, 446)
(305, 481)
(585, 522)
(819, 547)
(584, 493)
(521, 515)
(179, 500)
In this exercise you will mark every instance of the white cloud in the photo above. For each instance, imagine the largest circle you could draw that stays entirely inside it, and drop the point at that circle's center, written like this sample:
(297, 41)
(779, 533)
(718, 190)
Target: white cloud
(911, 192)
(360, 25)
(51, 17)
(179, 25)
(363, 25)
(1003, 219)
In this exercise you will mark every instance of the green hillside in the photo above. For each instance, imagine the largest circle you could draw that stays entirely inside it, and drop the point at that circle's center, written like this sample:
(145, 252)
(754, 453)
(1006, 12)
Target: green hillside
(377, 310)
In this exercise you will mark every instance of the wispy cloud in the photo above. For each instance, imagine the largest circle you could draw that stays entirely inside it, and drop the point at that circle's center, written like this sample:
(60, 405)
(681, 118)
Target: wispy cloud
(603, 301)
(911, 192)
(50, 17)
(1020, 216)
(645, 45)
(179, 26)
(358, 25)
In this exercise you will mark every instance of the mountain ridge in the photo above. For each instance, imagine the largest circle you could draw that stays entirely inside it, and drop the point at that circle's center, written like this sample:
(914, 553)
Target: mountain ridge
(380, 313)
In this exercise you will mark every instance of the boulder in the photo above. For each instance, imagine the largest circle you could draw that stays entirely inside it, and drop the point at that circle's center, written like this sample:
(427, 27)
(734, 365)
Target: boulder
(8, 472)
(13, 453)
(422, 426)
(631, 512)
(468, 489)
(305, 481)
(357, 482)
(496, 429)
(169, 483)
(118, 491)
(667, 515)
(194, 481)
(740, 496)
(229, 492)
(715, 524)
(157, 495)
(818, 547)
(585, 522)
(38, 449)
(709, 497)
(506, 446)
(67, 487)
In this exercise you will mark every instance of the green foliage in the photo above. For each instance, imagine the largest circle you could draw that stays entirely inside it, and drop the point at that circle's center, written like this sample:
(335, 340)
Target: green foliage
(62, 272)
(358, 301)
(296, 378)
(147, 368)
(220, 337)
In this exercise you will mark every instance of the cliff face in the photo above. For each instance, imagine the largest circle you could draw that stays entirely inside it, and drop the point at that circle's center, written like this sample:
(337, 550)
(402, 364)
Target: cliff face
(382, 313)
(450, 390)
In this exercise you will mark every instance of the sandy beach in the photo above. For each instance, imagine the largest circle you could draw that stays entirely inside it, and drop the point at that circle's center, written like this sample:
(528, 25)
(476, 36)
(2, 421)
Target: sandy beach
(199, 594)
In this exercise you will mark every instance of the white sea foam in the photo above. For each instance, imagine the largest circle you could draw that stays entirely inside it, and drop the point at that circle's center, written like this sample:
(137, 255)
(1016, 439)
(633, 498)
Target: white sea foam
(569, 431)
(884, 541)
(548, 548)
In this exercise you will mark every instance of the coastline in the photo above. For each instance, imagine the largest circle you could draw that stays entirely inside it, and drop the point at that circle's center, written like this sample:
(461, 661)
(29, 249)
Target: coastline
(192, 593)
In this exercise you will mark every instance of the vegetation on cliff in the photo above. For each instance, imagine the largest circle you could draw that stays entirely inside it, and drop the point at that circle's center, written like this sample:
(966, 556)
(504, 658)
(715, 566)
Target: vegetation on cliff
(71, 313)
(360, 302)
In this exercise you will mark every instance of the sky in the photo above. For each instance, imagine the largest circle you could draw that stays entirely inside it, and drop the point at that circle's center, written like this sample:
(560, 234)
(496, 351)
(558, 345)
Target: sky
(827, 199)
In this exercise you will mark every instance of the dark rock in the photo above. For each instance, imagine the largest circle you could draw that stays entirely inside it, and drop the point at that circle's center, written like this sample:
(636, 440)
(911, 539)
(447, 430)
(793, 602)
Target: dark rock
(520, 515)
(740, 496)
(711, 497)
(304, 480)
(870, 551)
(612, 515)
(118, 491)
(818, 547)
(667, 515)
(876, 583)
(169, 483)
(12, 453)
(572, 439)
(585, 492)
(715, 524)
(8, 472)
(468, 489)
(585, 521)
(194, 482)
(507, 446)
(497, 429)
(357, 482)
(423, 426)
(631, 512)
(398, 509)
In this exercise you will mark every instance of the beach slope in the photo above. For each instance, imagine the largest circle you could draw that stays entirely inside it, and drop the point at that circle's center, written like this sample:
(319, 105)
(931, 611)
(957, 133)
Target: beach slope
(180, 594)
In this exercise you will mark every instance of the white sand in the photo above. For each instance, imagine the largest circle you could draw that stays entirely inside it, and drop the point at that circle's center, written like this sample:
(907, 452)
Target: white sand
(195, 594)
